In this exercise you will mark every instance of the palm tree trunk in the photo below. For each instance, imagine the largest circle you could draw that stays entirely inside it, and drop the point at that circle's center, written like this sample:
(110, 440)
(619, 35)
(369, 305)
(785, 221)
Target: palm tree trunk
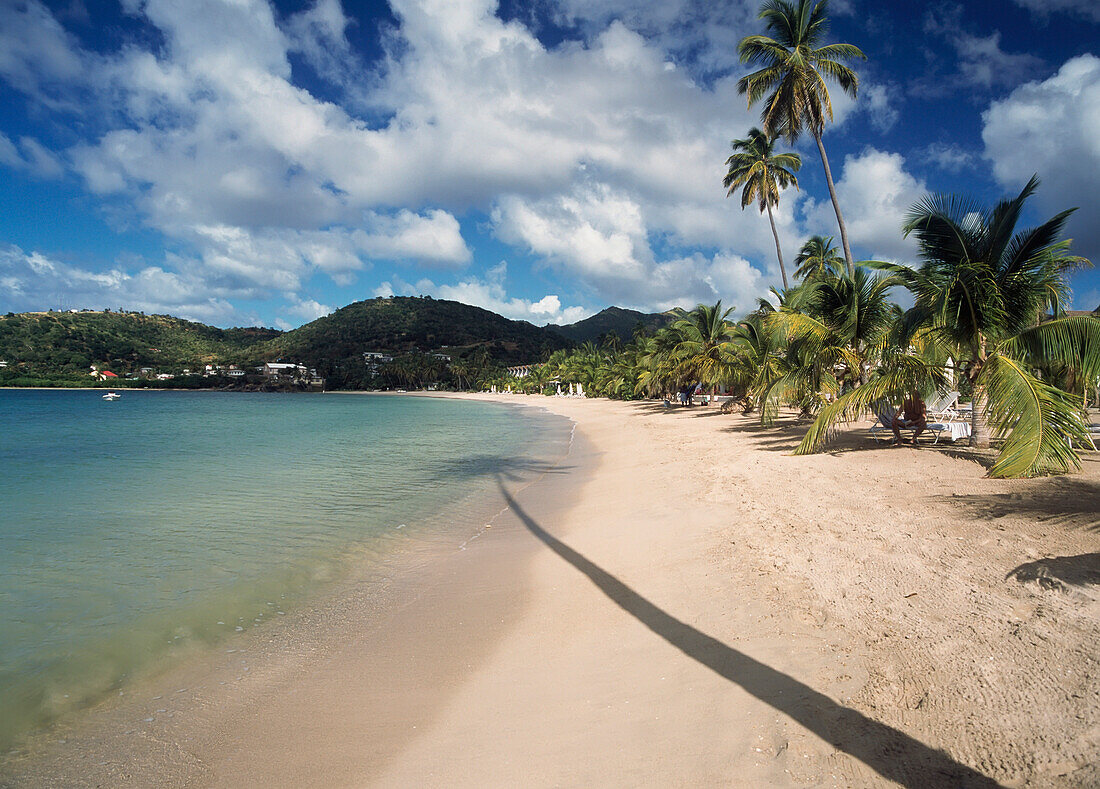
(836, 205)
(979, 426)
(778, 251)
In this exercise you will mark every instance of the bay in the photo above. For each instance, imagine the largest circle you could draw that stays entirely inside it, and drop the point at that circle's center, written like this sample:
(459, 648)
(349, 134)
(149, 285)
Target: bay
(135, 530)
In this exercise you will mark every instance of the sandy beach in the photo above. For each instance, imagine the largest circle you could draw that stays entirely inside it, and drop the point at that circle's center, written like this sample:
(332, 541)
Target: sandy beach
(678, 602)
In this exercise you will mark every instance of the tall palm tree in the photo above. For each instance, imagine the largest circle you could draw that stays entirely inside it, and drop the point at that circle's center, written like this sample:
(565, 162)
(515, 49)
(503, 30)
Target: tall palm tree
(982, 289)
(795, 65)
(818, 259)
(763, 174)
(705, 350)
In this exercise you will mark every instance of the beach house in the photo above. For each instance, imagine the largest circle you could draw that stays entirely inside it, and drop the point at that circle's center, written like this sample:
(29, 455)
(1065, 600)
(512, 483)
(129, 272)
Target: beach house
(284, 370)
(375, 359)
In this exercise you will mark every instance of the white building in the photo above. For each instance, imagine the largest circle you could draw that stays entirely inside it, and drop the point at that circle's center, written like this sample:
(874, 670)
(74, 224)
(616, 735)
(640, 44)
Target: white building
(277, 369)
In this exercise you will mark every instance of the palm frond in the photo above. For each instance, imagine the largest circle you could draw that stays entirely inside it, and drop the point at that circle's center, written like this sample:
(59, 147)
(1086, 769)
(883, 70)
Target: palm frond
(1072, 341)
(1038, 421)
(902, 374)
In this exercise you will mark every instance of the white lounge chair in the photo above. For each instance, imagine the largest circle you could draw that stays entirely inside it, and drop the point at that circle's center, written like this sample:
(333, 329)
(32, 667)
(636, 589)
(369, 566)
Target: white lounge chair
(884, 430)
(944, 406)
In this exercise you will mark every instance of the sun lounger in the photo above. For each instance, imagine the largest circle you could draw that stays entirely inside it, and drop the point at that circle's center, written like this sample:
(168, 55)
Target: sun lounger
(884, 430)
(944, 406)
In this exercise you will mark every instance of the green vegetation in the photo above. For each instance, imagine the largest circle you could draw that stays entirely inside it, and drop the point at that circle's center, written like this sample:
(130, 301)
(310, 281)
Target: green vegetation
(764, 173)
(613, 320)
(404, 324)
(987, 297)
(795, 64)
(818, 259)
(60, 348)
(980, 294)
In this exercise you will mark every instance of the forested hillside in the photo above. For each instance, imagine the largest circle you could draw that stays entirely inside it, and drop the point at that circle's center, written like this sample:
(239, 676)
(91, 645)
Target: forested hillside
(402, 324)
(621, 322)
(64, 343)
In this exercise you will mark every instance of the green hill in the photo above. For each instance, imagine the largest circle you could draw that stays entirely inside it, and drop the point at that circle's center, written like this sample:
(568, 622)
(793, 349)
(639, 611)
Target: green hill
(59, 348)
(69, 343)
(403, 324)
(621, 321)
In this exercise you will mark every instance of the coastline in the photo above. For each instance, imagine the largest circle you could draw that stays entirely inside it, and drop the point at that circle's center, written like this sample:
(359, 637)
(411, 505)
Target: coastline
(688, 604)
(163, 726)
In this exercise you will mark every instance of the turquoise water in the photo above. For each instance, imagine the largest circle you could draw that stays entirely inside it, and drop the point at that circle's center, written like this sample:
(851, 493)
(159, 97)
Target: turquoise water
(131, 530)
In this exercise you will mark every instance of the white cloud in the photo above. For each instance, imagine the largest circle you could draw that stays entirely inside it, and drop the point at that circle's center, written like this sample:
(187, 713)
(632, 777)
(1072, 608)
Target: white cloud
(1049, 128)
(37, 56)
(982, 61)
(947, 156)
(879, 101)
(432, 239)
(489, 293)
(590, 154)
(875, 192)
(1089, 9)
(30, 156)
(33, 281)
(599, 238)
(310, 309)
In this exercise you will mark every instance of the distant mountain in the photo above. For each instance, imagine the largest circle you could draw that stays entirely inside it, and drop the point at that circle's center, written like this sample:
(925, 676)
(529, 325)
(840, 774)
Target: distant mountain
(613, 319)
(407, 323)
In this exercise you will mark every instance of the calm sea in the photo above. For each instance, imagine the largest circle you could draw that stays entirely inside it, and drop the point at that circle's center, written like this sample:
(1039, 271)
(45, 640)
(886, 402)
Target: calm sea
(132, 530)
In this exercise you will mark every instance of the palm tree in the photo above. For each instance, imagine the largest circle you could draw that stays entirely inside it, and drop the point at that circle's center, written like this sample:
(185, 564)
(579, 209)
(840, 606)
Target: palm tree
(818, 259)
(705, 351)
(834, 328)
(982, 290)
(764, 174)
(794, 68)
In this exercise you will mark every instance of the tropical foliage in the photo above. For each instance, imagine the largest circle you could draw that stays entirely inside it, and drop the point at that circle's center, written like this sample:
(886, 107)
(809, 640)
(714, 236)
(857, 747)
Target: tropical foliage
(763, 173)
(818, 259)
(989, 303)
(794, 66)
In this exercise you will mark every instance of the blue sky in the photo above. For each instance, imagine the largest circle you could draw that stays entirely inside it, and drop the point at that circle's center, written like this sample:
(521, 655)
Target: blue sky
(240, 162)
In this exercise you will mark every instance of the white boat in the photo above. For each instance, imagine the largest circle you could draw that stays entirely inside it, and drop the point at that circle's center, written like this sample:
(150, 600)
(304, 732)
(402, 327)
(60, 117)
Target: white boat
(111, 396)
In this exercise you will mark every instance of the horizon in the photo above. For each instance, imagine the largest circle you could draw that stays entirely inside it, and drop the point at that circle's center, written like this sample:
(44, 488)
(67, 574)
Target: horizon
(538, 161)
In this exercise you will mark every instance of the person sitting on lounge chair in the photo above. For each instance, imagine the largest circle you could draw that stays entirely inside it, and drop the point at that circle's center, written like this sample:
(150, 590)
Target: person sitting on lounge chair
(912, 416)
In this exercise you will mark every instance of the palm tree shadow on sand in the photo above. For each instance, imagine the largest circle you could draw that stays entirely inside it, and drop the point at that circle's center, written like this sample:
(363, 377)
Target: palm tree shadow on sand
(892, 754)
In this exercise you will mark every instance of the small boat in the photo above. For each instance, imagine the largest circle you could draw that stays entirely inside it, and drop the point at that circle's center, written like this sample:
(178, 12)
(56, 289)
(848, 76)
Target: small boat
(111, 396)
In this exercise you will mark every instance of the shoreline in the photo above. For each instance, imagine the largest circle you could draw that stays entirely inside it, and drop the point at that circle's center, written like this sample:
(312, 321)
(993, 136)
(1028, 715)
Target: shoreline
(691, 605)
(201, 697)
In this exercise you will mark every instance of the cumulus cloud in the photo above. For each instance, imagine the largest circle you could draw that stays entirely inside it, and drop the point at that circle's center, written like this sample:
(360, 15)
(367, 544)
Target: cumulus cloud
(875, 192)
(432, 239)
(1049, 128)
(33, 281)
(599, 237)
(489, 293)
(310, 309)
(589, 154)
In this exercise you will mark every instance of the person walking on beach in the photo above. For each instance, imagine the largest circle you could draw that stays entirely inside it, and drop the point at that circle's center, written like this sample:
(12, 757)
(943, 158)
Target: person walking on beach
(912, 414)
